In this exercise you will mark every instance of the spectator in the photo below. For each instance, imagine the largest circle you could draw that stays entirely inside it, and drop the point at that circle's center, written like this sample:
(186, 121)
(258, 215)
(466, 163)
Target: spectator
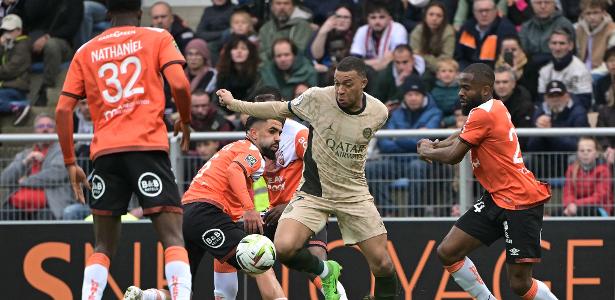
(535, 32)
(519, 12)
(321, 10)
(241, 24)
(205, 114)
(337, 49)
(375, 41)
(93, 12)
(588, 190)
(198, 67)
(238, 67)
(338, 26)
(300, 89)
(479, 38)
(567, 68)
(434, 38)
(37, 179)
(446, 91)
(558, 110)
(214, 22)
(606, 112)
(287, 69)
(163, 17)
(14, 63)
(390, 79)
(595, 33)
(6, 7)
(418, 111)
(282, 26)
(513, 56)
(604, 85)
(204, 150)
(51, 25)
(463, 13)
(516, 98)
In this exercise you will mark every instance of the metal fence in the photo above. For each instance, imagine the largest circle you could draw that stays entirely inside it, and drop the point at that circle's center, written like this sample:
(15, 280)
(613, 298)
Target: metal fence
(402, 185)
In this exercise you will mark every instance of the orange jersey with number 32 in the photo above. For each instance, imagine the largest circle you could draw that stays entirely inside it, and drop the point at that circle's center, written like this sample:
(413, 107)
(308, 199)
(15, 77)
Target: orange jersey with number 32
(496, 158)
(119, 72)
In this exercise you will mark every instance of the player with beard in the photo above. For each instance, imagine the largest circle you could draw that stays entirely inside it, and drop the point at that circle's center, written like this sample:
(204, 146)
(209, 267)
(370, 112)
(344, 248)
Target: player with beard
(513, 204)
(221, 194)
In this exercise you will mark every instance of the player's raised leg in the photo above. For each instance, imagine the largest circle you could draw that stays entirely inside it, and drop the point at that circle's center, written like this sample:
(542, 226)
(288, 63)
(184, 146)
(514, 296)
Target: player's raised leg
(321, 252)
(177, 266)
(452, 252)
(521, 282)
(106, 234)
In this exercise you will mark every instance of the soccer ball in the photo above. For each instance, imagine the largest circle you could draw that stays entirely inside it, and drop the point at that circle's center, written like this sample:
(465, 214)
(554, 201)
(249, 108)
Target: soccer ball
(255, 254)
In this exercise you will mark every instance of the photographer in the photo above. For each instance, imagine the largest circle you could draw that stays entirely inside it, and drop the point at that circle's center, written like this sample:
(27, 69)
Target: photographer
(14, 63)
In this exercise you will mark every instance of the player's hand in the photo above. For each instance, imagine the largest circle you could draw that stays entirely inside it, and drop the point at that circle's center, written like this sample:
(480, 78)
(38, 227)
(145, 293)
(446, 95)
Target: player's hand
(77, 178)
(252, 222)
(185, 129)
(423, 146)
(226, 97)
(273, 215)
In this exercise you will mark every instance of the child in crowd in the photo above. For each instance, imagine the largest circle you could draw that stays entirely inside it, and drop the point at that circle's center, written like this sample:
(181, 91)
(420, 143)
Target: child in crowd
(446, 89)
(588, 187)
(241, 24)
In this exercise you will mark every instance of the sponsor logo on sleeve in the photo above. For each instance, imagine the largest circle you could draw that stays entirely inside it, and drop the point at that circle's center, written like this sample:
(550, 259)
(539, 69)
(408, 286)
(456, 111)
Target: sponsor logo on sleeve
(251, 160)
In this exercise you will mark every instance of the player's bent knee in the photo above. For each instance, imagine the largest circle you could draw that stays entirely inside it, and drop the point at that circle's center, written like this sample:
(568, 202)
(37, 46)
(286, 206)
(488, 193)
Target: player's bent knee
(286, 250)
(447, 254)
(383, 267)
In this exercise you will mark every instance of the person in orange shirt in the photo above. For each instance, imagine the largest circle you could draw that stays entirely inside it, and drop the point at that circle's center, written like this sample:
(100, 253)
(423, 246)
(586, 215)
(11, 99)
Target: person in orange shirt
(513, 204)
(119, 72)
(221, 194)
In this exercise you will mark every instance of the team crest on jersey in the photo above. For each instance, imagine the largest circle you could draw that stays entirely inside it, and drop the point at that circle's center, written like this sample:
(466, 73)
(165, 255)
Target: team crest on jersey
(367, 133)
(98, 187)
(213, 238)
(150, 184)
(251, 160)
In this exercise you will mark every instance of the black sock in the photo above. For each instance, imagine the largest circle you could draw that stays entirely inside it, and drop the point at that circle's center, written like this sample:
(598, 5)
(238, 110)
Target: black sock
(305, 261)
(386, 288)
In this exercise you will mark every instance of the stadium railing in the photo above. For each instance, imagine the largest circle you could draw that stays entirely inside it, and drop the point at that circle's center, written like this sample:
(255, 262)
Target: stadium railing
(424, 190)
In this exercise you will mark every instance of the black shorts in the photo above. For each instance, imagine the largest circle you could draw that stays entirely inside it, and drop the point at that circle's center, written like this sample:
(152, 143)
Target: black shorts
(147, 174)
(521, 229)
(317, 240)
(208, 229)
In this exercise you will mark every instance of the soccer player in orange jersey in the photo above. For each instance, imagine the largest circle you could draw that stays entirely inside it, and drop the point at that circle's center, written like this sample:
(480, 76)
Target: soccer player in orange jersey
(513, 204)
(119, 72)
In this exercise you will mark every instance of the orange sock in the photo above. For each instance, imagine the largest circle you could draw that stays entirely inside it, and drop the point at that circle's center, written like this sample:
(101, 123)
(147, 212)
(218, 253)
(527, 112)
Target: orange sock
(317, 282)
(177, 270)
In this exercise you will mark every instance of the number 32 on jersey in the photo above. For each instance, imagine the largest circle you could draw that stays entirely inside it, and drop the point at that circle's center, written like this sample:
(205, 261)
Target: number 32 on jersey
(110, 72)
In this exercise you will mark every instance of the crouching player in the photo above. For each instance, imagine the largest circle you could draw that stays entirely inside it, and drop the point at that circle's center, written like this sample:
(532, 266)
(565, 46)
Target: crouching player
(219, 195)
(283, 175)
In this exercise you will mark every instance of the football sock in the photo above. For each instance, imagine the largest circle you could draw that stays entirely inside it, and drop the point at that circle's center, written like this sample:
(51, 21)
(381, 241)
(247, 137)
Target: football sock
(386, 287)
(325, 271)
(177, 271)
(538, 291)
(467, 277)
(225, 284)
(95, 276)
(305, 261)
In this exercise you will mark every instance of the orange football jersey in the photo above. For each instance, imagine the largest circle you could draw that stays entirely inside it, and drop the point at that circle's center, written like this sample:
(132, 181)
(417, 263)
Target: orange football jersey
(284, 174)
(119, 72)
(496, 158)
(211, 184)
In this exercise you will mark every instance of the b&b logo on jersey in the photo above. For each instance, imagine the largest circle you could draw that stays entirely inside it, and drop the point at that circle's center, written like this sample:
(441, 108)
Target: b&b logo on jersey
(251, 160)
(150, 184)
(98, 187)
(213, 238)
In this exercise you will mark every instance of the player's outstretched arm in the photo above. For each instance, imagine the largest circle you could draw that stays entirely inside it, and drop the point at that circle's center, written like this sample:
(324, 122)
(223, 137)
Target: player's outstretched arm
(448, 141)
(252, 221)
(451, 154)
(263, 110)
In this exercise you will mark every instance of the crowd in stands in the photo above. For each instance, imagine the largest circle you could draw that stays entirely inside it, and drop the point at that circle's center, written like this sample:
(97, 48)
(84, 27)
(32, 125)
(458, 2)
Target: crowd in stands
(554, 63)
